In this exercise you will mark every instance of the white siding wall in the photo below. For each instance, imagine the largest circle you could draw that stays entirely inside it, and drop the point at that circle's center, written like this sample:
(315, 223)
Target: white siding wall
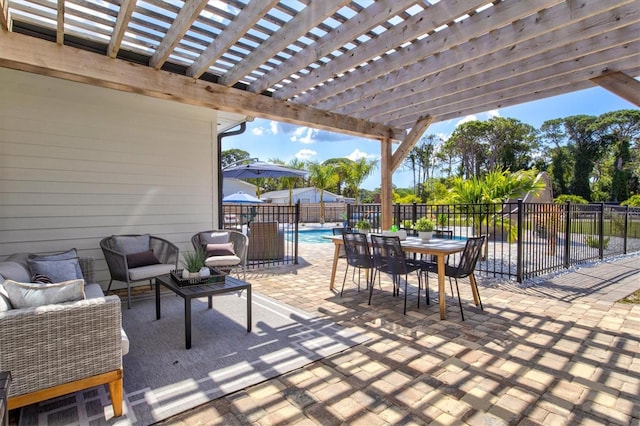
(78, 163)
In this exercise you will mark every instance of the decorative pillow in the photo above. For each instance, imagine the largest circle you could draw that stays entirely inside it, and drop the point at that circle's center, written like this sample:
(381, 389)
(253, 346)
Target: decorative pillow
(225, 249)
(64, 255)
(214, 238)
(5, 304)
(144, 258)
(30, 295)
(56, 270)
(39, 278)
(132, 244)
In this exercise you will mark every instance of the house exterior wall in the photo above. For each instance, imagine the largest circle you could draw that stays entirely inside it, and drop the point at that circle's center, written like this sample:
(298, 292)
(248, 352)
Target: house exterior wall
(79, 163)
(231, 186)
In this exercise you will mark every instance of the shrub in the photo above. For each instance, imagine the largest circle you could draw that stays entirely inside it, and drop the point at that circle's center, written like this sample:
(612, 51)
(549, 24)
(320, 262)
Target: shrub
(575, 199)
(594, 242)
(634, 201)
(423, 225)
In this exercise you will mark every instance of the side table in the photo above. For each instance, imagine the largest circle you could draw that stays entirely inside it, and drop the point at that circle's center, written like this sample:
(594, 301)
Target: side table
(5, 381)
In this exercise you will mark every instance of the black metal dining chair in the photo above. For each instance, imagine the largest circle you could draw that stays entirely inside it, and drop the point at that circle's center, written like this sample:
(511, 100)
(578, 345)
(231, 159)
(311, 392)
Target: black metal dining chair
(465, 268)
(358, 256)
(389, 258)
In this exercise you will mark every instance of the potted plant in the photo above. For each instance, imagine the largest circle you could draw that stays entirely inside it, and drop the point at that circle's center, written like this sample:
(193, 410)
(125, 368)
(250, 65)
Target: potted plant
(363, 226)
(424, 226)
(193, 262)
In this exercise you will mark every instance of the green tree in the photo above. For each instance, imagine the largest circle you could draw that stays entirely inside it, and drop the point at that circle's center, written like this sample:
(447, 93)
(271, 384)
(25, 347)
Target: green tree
(342, 168)
(620, 129)
(552, 133)
(230, 156)
(322, 176)
(290, 182)
(466, 143)
(586, 148)
(359, 171)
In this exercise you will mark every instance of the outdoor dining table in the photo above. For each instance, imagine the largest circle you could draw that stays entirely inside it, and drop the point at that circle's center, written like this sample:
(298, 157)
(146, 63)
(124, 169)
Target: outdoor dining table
(438, 247)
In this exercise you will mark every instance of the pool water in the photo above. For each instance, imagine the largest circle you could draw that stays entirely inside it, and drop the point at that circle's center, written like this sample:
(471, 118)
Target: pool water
(314, 235)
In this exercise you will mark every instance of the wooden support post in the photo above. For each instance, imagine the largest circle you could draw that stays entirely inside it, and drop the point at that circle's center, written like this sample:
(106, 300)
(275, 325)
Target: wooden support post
(386, 195)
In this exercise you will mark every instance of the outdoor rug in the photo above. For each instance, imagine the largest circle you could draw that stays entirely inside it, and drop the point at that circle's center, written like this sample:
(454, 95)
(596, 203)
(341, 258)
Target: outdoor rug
(162, 378)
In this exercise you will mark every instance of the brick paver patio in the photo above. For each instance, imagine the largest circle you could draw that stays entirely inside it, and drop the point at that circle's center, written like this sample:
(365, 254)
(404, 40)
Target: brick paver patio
(555, 353)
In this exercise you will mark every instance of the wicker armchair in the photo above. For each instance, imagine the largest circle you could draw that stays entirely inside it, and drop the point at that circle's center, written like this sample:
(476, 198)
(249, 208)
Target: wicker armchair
(240, 244)
(165, 252)
(266, 241)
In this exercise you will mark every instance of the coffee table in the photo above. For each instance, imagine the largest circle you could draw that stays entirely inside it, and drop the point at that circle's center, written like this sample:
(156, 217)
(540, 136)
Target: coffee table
(209, 290)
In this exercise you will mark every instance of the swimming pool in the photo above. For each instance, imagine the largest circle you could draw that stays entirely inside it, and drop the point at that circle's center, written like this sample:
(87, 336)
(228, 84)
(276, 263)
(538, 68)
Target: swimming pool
(313, 235)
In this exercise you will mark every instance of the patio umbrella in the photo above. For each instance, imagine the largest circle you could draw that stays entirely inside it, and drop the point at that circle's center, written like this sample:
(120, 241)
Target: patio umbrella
(261, 170)
(241, 197)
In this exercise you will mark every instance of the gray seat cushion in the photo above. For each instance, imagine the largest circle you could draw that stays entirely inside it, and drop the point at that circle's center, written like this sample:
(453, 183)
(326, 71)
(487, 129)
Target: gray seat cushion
(215, 261)
(149, 271)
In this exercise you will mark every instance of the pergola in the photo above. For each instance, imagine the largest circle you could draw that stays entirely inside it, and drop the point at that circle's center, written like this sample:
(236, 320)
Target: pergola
(383, 70)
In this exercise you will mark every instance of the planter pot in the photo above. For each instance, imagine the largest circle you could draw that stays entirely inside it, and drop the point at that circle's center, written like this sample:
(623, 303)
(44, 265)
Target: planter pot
(425, 235)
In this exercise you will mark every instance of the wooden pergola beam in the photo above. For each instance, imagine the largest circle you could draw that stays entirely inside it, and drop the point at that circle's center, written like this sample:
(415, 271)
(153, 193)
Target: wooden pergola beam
(25, 53)
(410, 141)
(619, 83)
(390, 162)
(60, 22)
(122, 22)
(4, 15)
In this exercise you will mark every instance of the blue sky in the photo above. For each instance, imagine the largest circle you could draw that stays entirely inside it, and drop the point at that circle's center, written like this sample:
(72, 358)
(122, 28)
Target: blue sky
(267, 139)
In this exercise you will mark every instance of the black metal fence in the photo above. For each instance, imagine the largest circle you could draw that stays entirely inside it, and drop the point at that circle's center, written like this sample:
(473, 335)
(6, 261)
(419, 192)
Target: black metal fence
(524, 239)
(272, 231)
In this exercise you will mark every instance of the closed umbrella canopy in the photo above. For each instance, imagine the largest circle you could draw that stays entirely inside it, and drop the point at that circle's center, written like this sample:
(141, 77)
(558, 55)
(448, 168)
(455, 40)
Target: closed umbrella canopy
(241, 197)
(261, 170)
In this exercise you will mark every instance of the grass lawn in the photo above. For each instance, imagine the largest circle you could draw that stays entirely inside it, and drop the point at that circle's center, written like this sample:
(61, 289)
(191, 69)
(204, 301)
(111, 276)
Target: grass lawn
(632, 298)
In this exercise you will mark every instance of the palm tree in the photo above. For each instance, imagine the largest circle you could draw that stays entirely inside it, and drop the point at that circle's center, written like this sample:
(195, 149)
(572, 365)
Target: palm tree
(322, 176)
(495, 187)
(290, 181)
(360, 170)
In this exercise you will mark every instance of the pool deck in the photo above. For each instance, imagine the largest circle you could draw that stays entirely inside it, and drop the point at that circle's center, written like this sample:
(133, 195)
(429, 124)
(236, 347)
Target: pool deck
(560, 352)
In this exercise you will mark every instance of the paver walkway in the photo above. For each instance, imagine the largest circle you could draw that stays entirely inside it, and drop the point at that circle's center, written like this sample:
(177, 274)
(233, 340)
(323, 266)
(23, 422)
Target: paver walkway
(554, 353)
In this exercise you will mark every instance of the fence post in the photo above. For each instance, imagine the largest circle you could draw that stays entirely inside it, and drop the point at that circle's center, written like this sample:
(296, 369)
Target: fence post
(396, 215)
(567, 236)
(295, 239)
(349, 215)
(625, 230)
(601, 232)
(414, 212)
(519, 243)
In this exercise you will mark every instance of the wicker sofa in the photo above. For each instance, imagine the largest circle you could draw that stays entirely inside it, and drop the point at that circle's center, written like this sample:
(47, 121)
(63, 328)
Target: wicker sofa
(56, 349)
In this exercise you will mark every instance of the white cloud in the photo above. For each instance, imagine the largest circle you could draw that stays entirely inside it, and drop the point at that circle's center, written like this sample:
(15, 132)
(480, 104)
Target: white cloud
(466, 119)
(493, 113)
(304, 135)
(273, 126)
(357, 154)
(258, 131)
(305, 154)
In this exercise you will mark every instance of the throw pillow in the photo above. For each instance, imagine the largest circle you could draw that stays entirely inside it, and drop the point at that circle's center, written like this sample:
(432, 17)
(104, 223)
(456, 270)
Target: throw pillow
(64, 255)
(214, 238)
(39, 278)
(56, 270)
(30, 295)
(145, 258)
(5, 304)
(225, 249)
(132, 244)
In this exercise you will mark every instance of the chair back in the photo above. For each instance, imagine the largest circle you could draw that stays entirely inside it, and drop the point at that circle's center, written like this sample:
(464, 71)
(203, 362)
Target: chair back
(357, 251)
(388, 256)
(239, 240)
(470, 256)
(340, 231)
